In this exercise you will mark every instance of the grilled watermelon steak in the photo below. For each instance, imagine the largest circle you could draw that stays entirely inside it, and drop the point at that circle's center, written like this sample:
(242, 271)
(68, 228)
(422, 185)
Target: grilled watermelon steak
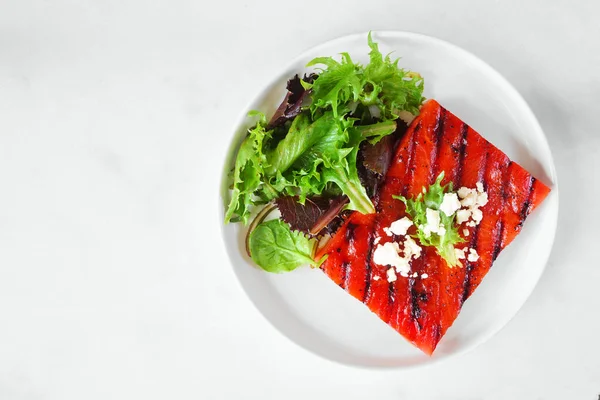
(423, 304)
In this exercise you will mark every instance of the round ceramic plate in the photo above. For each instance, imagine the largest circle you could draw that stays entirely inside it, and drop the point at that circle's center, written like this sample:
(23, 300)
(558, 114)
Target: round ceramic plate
(313, 312)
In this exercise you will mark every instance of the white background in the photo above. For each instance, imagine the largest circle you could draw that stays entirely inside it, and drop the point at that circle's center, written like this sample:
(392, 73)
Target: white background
(114, 118)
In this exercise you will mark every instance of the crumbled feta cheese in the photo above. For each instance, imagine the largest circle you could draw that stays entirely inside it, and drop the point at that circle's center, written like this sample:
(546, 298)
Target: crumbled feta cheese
(462, 216)
(477, 215)
(411, 248)
(470, 199)
(463, 192)
(471, 223)
(403, 265)
(473, 256)
(466, 232)
(387, 254)
(391, 275)
(482, 199)
(433, 220)
(424, 276)
(400, 226)
(376, 278)
(404, 274)
(441, 230)
(479, 187)
(450, 204)
(376, 241)
(426, 230)
(387, 231)
(460, 253)
(415, 274)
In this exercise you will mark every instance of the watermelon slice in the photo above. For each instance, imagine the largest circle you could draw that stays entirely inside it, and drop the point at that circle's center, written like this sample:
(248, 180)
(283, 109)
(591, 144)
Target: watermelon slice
(420, 309)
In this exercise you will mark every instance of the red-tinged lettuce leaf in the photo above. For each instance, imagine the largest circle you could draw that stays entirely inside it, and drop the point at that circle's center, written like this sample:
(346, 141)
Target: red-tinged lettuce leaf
(375, 159)
(291, 105)
(332, 218)
(300, 217)
(318, 215)
(378, 157)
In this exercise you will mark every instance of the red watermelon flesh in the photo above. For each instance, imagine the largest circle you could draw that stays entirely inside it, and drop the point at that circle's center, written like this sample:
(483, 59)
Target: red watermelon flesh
(422, 310)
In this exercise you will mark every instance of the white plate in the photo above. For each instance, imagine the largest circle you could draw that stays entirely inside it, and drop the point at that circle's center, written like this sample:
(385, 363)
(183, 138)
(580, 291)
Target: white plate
(314, 312)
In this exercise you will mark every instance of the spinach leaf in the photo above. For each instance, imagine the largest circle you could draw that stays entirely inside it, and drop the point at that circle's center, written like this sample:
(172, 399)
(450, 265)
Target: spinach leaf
(276, 248)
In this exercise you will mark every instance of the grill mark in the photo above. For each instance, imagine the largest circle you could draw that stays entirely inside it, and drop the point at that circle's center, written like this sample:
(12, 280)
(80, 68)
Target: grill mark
(411, 155)
(437, 333)
(349, 236)
(461, 154)
(439, 133)
(475, 239)
(409, 161)
(418, 127)
(504, 196)
(500, 224)
(368, 266)
(391, 293)
(415, 309)
(467, 281)
(344, 283)
(526, 209)
(504, 192)
(497, 245)
(500, 236)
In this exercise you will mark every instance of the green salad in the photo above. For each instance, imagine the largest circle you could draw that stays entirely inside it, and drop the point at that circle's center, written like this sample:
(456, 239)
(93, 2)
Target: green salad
(323, 153)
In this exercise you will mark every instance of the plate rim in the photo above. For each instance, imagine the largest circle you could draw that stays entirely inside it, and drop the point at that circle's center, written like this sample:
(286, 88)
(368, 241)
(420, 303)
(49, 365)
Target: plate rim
(223, 191)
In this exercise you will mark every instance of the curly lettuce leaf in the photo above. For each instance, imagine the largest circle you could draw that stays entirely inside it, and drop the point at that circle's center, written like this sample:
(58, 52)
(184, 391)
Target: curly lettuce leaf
(393, 89)
(380, 88)
(248, 171)
(337, 85)
(417, 209)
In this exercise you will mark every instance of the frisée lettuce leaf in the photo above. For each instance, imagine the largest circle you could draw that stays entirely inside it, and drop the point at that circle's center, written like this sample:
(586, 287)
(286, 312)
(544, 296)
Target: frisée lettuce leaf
(378, 90)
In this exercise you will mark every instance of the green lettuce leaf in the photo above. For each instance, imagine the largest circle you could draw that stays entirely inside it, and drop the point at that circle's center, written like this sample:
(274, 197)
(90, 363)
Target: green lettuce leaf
(303, 137)
(343, 85)
(393, 89)
(276, 248)
(248, 171)
(337, 85)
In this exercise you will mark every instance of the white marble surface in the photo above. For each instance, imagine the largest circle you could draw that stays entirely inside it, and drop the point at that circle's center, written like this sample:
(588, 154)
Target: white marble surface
(114, 117)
